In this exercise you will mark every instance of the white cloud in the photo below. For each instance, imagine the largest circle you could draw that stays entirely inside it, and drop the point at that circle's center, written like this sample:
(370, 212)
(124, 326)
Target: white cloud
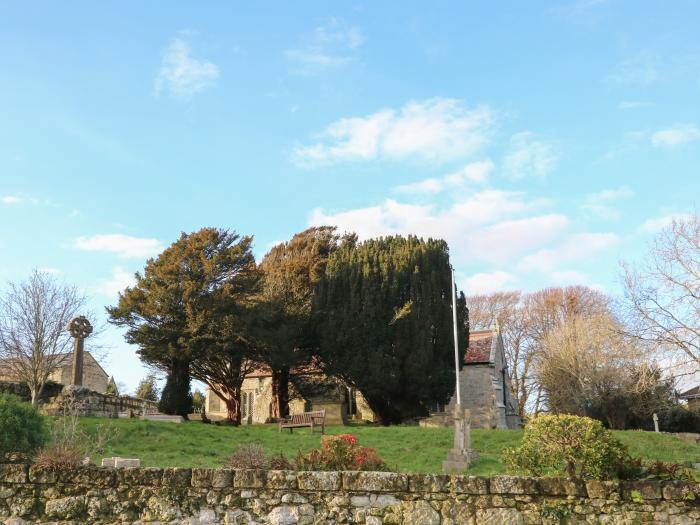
(657, 224)
(484, 283)
(475, 172)
(639, 71)
(327, 47)
(425, 186)
(11, 199)
(120, 280)
(481, 227)
(528, 157)
(181, 74)
(675, 136)
(602, 203)
(124, 245)
(436, 129)
(573, 248)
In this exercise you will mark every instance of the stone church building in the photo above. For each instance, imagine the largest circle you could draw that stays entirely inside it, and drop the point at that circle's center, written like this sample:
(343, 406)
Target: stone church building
(94, 376)
(485, 383)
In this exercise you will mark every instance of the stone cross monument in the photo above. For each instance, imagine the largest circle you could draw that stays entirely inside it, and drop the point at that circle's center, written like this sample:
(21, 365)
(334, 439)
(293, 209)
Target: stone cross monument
(79, 328)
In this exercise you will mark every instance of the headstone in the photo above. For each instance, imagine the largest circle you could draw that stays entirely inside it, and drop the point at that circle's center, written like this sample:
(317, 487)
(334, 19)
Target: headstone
(79, 328)
(655, 417)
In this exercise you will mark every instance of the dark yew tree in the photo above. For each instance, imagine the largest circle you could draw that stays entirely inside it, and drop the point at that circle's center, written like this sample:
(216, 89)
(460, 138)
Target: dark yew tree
(383, 312)
(291, 270)
(188, 314)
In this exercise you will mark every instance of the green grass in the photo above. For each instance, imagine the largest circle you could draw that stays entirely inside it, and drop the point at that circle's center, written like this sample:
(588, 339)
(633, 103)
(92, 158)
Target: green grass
(404, 448)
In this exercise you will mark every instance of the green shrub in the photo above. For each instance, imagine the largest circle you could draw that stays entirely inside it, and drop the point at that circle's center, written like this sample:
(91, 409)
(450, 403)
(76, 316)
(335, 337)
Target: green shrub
(679, 419)
(22, 428)
(566, 445)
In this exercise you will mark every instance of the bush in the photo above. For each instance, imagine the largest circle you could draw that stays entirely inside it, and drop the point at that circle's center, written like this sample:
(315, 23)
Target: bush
(22, 428)
(252, 456)
(340, 453)
(60, 455)
(571, 445)
(679, 419)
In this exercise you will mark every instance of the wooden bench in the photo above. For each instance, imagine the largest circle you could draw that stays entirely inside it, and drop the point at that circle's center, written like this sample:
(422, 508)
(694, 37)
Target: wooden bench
(305, 419)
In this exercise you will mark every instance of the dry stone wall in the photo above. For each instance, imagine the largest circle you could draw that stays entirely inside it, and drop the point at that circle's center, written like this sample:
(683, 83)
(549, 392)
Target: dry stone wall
(208, 496)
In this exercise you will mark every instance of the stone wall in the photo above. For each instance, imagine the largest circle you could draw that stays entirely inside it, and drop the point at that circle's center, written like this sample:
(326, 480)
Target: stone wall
(204, 496)
(90, 403)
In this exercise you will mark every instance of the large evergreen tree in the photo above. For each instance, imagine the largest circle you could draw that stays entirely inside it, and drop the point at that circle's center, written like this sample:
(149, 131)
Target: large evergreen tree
(188, 315)
(291, 270)
(384, 316)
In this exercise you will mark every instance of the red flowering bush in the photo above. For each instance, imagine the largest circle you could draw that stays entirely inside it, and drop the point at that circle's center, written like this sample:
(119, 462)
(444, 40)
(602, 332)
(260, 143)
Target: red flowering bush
(341, 452)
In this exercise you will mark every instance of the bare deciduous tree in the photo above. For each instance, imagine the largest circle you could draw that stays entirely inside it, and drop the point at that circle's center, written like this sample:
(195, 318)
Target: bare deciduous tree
(663, 295)
(33, 335)
(588, 367)
(525, 320)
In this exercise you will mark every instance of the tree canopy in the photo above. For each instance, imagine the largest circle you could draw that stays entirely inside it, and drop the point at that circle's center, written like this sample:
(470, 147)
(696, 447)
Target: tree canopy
(187, 312)
(384, 320)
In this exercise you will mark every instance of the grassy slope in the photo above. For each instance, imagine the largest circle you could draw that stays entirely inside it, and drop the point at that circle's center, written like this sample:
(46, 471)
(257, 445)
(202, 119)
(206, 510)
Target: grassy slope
(406, 449)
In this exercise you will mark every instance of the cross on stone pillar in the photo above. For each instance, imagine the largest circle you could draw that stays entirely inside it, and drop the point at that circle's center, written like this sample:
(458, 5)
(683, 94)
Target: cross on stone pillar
(79, 328)
(461, 454)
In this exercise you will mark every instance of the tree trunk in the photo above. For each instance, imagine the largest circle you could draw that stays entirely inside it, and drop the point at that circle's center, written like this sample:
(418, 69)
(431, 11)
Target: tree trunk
(232, 399)
(280, 393)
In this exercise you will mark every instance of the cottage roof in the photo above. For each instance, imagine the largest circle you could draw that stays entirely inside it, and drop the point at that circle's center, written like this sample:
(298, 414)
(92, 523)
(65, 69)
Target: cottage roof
(692, 393)
(479, 349)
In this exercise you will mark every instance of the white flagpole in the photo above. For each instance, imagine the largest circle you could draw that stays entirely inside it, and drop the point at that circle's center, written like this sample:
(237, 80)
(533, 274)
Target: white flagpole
(454, 322)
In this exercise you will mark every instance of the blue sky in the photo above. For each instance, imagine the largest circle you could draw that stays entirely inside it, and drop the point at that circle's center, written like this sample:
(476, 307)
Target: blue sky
(546, 141)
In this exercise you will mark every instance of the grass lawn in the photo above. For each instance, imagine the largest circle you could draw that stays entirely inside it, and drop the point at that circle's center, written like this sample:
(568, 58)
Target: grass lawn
(404, 448)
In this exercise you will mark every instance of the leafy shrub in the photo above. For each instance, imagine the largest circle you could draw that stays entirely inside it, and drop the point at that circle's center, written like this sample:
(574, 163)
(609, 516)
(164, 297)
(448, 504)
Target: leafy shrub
(679, 419)
(340, 452)
(565, 444)
(252, 456)
(22, 428)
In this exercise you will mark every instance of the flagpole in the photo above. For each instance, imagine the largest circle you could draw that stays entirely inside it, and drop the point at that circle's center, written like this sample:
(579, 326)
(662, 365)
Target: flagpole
(454, 323)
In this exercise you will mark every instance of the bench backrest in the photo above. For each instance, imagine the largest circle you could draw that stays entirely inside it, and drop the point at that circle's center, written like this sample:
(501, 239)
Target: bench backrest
(305, 418)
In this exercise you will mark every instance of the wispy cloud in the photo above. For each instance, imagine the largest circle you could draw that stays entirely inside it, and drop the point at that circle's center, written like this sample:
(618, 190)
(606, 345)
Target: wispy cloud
(181, 75)
(118, 282)
(603, 203)
(125, 246)
(11, 199)
(656, 224)
(488, 282)
(574, 247)
(529, 157)
(327, 47)
(633, 104)
(676, 135)
(436, 129)
(474, 172)
(640, 71)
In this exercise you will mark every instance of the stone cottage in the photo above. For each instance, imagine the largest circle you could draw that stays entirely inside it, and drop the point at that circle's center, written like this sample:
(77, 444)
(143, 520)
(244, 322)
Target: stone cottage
(692, 397)
(485, 383)
(94, 376)
(309, 389)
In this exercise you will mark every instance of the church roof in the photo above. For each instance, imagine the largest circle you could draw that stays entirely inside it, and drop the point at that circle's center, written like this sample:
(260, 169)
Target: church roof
(479, 349)
(692, 393)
